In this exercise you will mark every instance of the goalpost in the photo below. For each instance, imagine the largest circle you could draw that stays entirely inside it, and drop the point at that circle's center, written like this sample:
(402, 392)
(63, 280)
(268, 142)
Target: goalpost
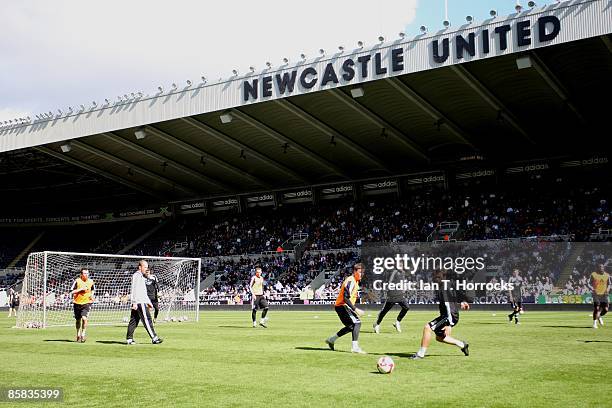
(46, 301)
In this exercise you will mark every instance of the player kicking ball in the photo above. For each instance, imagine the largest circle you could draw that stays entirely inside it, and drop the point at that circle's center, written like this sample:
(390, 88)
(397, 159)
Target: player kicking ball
(442, 325)
(258, 300)
(348, 313)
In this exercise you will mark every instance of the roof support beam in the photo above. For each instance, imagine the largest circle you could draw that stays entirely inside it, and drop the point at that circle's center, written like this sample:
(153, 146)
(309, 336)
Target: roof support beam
(279, 137)
(171, 163)
(222, 137)
(410, 94)
(100, 172)
(491, 99)
(607, 42)
(554, 83)
(380, 122)
(329, 131)
(189, 148)
(113, 159)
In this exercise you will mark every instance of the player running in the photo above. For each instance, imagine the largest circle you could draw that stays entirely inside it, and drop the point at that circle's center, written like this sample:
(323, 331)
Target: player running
(516, 296)
(600, 281)
(347, 311)
(394, 297)
(82, 292)
(258, 300)
(449, 317)
(152, 290)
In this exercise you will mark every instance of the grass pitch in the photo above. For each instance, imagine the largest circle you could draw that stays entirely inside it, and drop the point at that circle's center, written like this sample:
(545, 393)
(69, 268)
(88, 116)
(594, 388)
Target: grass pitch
(551, 359)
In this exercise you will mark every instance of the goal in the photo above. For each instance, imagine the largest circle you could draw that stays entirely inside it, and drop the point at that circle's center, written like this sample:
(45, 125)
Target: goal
(46, 300)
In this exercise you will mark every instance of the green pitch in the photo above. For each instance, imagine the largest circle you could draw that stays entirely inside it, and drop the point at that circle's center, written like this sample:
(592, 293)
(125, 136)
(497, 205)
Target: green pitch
(551, 359)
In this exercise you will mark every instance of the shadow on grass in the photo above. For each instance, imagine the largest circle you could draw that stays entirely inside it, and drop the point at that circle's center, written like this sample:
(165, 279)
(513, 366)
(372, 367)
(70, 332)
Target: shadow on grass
(60, 340)
(569, 327)
(123, 343)
(408, 355)
(319, 349)
(595, 341)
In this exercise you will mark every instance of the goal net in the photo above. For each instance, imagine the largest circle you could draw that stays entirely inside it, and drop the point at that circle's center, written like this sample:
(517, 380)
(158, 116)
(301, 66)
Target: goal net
(46, 300)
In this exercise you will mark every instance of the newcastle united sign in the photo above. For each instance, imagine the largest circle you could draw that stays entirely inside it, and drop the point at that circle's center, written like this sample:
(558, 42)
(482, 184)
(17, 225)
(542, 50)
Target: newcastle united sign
(392, 61)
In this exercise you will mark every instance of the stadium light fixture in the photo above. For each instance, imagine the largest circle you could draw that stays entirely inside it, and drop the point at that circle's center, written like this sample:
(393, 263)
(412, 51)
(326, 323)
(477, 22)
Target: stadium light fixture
(303, 57)
(524, 62)
(321, 51)
(341, 48)
(531, 4)
(94, 104)
(140, 133)
(446, 23)
(174, 86)
(518, 7)
(203, 78)
(423, 29)
(252, 69)
(360, 44)
(188, 83)
(160, 89)
(357, 92)
(226, 117)
(235, 72)
(381, 38)
(269, 64)
(286, 60)
(401, 34)
(66, 147)
(493, 13)
(469, 19)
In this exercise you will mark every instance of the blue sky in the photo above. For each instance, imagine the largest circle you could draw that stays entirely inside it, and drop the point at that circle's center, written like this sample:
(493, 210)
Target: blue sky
(431, 12)
(62, 53)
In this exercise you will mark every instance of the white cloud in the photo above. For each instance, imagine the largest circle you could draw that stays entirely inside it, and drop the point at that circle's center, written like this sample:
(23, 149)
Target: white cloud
(69, 52)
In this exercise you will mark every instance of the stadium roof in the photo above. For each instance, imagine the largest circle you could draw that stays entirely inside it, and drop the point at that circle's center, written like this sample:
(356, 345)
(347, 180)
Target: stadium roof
(394, 108)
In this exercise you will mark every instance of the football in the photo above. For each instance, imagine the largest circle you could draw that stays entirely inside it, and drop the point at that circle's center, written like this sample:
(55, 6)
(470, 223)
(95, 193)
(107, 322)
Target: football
(385, 365)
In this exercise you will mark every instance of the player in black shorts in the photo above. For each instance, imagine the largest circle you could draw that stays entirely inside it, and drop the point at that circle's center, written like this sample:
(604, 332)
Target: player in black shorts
(393, 297)
(13, 302)
(152, 288)
(449, 317)
(258, 300)
(516, 297)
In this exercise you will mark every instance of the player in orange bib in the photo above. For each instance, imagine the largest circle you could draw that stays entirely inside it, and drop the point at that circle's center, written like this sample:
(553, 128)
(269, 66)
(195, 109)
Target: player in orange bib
(347, 311)
(600, 281)
(83, 296)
